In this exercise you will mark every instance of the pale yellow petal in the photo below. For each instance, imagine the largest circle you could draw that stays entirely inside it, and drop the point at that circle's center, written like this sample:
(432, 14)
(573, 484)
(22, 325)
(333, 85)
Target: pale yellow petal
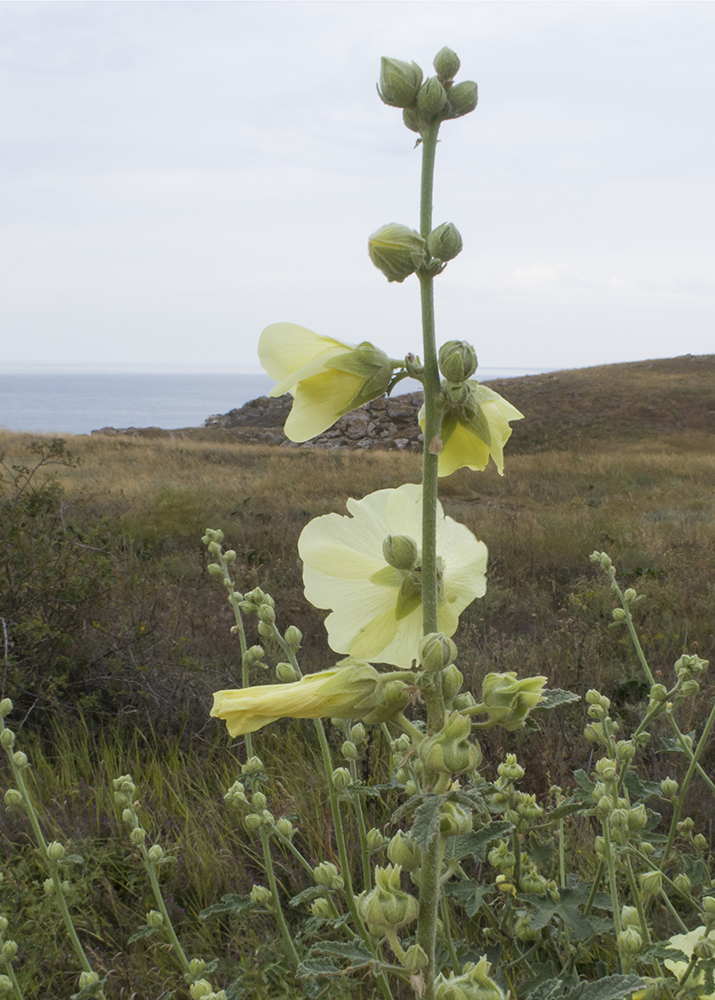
(463, 448)
(283, 348)
(319, 402)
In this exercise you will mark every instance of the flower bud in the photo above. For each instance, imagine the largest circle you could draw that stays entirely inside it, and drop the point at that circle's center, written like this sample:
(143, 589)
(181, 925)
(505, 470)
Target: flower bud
(450, 751)
(689, 688)
(9, 950)
(704, 948)
(403, 851)
(700, 842)
(5, 707)
(387, 905)
(457, 358)
(629, 595)
(414, 959)
(629, 917)
(436, 651)
(200, 990)
(452, 680)
(7, 738)
(474, 984)
(619, 615)
(13, 798)
(254, 655)
(3, 924)
(462, 99)
(659, 693)
(606, 769)
(321, 908)
(261, 896)
(454, 820)
(399, 82)
(709, 905)
(509, 701)
(682, 882)
(446, 64)
(375, 840)
(625, 751)
(524, 931)
(137, 836)
(326, 874)
(397, 251)
(293, 637)
(20, 760)
(154, 919)
(254, 765)
(156, 853)
(266, 614)
(358, 733)
(400, 551)
(669, 788)
(637, 817)
(259, 801)
(349, 750)
(265, 630)
(66, 888)
(285, 827)
(431, 98)
(341, 779)
(252, 822)
(6, 985)
(286, 673)
(651, 883)
(630, 941)
(55, 851)
(87, 979)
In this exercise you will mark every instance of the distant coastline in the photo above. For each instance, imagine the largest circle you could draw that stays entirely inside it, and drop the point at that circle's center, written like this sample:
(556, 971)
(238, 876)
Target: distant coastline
(47, 401)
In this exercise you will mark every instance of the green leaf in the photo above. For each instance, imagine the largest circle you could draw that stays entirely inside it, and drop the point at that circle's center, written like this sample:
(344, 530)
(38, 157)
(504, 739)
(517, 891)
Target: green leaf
(230, 903)
(476, 843)
(468, 894)
(552, 697)
(551, 989)
(143, 932)
(352, 953)
(642, 790)
(609, 988)
(425, 826)
(671, 745)
(308, 895)
(310, 968)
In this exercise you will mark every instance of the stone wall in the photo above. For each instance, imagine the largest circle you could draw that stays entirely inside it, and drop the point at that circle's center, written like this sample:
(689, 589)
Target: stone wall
(389, 423)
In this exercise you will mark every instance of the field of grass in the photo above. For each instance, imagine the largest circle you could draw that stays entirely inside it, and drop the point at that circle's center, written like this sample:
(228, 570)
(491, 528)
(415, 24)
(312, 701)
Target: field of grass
(120, 677)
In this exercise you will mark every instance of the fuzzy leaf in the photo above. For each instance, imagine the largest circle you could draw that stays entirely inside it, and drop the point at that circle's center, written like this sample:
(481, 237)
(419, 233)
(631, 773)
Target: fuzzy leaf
(609, 988)
(308, 895)
(230, 903)
(143, 932)
(425, 826)
(321, 967)
(640, 789)
(552, 697)
(469, 894)
(476, 843)
(551, 989)
(354, 954)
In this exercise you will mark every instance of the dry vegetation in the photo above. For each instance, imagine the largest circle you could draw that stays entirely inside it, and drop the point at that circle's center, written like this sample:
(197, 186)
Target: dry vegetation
(151, 645)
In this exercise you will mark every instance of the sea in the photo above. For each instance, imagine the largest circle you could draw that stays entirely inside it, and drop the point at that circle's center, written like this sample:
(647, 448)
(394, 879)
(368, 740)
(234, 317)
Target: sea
(65, 402)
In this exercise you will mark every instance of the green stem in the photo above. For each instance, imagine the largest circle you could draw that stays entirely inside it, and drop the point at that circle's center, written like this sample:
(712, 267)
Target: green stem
(430, 889)
(359, 807)
(612, 883)
(168, 927)
(273, 886)
(679, 802)
(447, 922)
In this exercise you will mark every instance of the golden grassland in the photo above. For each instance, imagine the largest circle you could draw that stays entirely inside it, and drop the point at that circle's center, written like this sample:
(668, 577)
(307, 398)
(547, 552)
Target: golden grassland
(134, 686)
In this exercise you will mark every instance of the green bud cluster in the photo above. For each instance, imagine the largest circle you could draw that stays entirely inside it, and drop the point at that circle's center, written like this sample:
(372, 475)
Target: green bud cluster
(457, 359)
(387, 905)
(449, 751)
(474, 983)
(326, 875)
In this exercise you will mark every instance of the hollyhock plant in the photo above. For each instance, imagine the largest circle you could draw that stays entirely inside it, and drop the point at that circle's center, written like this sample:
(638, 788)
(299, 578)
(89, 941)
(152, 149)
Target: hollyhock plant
(327, 378)
(352, 565)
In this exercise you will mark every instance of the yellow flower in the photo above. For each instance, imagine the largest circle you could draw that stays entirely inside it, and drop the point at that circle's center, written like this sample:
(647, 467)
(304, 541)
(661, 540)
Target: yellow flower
(475, 425)
(686, 943)
(377, 607)
(326, 377)
(345, 692)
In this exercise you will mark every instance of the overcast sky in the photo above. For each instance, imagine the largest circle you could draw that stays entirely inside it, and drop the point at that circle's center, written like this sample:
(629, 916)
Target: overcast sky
(176, 176)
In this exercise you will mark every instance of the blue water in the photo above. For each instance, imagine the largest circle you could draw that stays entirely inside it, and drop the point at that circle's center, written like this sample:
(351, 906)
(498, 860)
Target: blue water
(78, 403)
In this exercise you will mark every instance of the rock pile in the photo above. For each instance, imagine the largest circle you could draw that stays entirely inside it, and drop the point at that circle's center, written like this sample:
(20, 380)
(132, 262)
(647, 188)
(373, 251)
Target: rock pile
(389, 423)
